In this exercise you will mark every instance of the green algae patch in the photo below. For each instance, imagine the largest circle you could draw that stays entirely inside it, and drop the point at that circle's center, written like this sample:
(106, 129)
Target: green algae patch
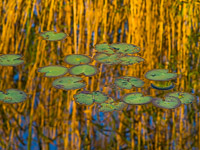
(87, 70)
(88, 98)
(53, 71)
(129, 60)
(13, 96)
(170, 102)
(53, 36)
(77, 59)
(104, 48)
(184, 97)
(163, 86)
(107, 59)
(136, 99)
(124, 48)
(11, 60)
(128, 82)
(69, 83)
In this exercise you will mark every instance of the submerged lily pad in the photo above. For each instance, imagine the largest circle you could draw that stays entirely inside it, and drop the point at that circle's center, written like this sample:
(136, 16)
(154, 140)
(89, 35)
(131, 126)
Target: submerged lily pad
(11, 60)
(129, 60)
(77, 59)
(87, 70)
(13, 96)
(69, 83)
(170, 102)
(128, 82)
(136, 99)
(106, 59)
(125, 48)
(88, 98)
(184, 97)
(160, 75)
(53, 71)
(104, 48)
(53, 36)
(163, 88)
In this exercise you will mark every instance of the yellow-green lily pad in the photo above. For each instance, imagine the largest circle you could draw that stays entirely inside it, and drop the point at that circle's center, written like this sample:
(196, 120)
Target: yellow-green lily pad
(129, 60)
(77, 59)
(104, 48)
(53, 70)
(107, 59)
(53, 36)
(124, 48)
(11, 60)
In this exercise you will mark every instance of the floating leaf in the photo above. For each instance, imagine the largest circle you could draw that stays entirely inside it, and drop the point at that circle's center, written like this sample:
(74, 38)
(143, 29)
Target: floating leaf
(13, 96)
(53, 71)
(11, 60)
(69, 83)
(136, 99)
(106, 59)
(125, 48)
(87, 70)
(77, 59)
(53, 36)
(163, 88)
(129, 60)
(104, 48)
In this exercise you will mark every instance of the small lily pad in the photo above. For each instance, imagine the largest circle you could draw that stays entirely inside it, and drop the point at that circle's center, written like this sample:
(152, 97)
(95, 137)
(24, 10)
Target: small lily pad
(163, 88)
(107, 59)
(129, 60)
(87, 70)
(136, 99)
(185, 98)
(13, 96)
(160, 75)
(170, 102)
(104, 48)
(11, 60)
(128, 82)
(69, 83)
(125, 48)
(53, 71)
(53, 36)
(77, 59)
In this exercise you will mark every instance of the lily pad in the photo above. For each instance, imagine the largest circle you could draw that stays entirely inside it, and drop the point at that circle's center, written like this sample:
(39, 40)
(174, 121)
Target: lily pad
(77, 59)
(87, 70)
(136, 99)
(163, 88)
(104, 48)
(129, 60)
(53, 71)
(160, 75)
(125, 48)
(128, 82)
(13, 96)
(170, 102)
(11, 60)
(69, 83)
(88, 98)
(53, 36)
(107, 59)
(184, 97)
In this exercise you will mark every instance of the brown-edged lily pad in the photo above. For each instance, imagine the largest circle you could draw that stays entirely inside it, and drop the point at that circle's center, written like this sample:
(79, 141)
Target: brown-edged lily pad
(124, 48)
(11, 60)
(53, 71)
(77, 59)
(53, 36)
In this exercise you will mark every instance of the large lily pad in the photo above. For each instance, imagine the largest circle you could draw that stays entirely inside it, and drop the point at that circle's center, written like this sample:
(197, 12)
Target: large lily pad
(13, 96)
(104, 48)
(77, 59)
(53, 71)
(11, 60)
(184, 97)
(107, 59)
(163, 88)
(136, 99)
(53, 36)
(129, 60)
(69, 83)
(125, 48)
(87, 70)
(170, 102)
(160, 75)
(128, 82)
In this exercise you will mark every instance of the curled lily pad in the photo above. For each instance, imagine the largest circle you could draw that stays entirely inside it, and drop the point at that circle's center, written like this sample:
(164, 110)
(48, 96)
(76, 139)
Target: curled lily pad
(88, 98)
(104, 48)
(53, 36)
(184, 97)
(107, 59)
(125, 48)
(87, 70)
(163, 88)
(53, 71)
(69, 83)
(160, 75)
(128, 82)
(11, 60)
(136, 99)
(77, 59)
(170, 102)
(129, 60)
(13, 96)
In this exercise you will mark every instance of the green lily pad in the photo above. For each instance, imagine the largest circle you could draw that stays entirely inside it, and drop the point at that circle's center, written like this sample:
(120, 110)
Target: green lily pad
(107, 59)
(11, 60)
(13, 96)
(87, 98)
(136, 99)
(184, 97)
(170, 102)
(69, 83)
(104, 48)
(125, 48)
(87, 70)
(77, 59)
(128, 82)
(163, 88)
(53, 71)
(160, 75)
(53, 36)
(129, 60)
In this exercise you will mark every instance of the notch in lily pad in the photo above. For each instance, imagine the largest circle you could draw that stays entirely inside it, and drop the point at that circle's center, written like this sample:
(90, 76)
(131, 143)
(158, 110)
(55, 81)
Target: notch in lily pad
(124, 48)
(13, 96)
(11, 60)
(53, 36)
(77, 59)
(53, 70)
